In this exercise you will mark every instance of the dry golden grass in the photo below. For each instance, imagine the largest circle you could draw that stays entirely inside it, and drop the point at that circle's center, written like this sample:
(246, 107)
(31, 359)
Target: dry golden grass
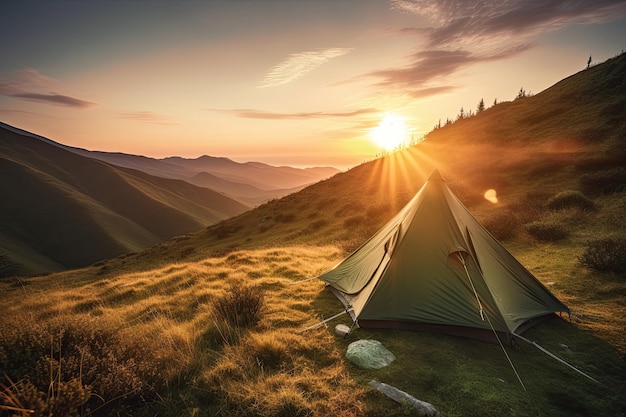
(267, 370)
(149, 315)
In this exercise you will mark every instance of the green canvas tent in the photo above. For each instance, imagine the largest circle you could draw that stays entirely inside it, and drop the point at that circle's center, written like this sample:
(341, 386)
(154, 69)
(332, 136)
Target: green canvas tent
(433, 266)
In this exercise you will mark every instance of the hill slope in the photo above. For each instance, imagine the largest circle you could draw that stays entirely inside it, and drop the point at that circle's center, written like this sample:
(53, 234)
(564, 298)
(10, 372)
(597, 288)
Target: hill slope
(63, 210)
(203, 365)
(250, 182)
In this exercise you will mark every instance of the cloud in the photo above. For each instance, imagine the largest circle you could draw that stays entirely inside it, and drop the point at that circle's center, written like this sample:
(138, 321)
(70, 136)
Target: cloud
(57, 99)
(468, 21)
(427, 67)
(27, 83)
(298, 64)
(262, 114)
(147, 117)
(461, 33)
(431, 91)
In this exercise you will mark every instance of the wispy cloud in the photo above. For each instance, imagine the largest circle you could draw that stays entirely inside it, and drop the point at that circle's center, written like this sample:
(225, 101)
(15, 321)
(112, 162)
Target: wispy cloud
(57, 99)
(262, 114)
(298, 64)
(427, 67)
(27, 83)
(16, 111)
(466, 21)
(147, 117)
(461, 33)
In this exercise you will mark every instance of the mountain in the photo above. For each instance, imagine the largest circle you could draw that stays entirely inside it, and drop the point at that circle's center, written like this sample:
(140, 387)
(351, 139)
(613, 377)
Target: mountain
(241, 191)
(263, 176)
(62, 210)
(176, 292)
(250, 182)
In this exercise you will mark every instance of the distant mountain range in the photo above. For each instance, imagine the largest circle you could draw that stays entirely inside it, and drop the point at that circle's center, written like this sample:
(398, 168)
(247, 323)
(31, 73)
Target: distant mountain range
(66, 207)
(253, 183)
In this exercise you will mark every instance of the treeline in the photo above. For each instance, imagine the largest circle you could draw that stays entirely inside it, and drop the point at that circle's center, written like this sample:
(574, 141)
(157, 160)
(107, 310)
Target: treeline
(480, 107)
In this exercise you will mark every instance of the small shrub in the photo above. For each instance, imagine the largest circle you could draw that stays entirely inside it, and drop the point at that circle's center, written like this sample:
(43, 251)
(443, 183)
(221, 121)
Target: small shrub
(285, 217)
(502, 224)
(318, 224)
(241, 305)
(546, 231)
(607, 254)
(570, 199)
(90, 365)
(353, 221)
(224, 229)
(378, 210)
(604, 182)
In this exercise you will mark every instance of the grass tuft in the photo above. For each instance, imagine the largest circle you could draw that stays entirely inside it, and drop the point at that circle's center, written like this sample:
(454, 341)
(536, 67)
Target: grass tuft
(606, 254)
(570, 199)
(240, 306)
(547, 230)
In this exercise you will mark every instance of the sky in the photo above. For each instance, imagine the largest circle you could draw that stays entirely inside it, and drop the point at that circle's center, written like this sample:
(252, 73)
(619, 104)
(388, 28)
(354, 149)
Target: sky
(287, 82)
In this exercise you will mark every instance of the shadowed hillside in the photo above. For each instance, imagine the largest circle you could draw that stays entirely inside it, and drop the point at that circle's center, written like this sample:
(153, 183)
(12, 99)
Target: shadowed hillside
(61, 210)
(207, 363)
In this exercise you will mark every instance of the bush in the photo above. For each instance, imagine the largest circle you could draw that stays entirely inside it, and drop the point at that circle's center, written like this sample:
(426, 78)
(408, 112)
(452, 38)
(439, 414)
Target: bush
(378, 210)
(570, 199)
(604, 182)
(285, 217)
(88, 362)
(546, 231)
(241, 305)
(353, 221)
(502, 224)
(318, 224)
(607, 254)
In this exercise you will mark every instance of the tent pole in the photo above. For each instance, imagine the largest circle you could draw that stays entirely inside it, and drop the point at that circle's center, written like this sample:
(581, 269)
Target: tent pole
(484, 316)
(553, 356)
(304, 280)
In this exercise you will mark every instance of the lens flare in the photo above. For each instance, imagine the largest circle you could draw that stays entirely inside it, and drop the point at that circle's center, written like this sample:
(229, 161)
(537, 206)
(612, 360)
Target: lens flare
(491, 196)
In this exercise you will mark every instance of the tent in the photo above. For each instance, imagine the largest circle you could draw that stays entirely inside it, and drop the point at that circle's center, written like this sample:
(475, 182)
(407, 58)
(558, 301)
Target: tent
(434, 266)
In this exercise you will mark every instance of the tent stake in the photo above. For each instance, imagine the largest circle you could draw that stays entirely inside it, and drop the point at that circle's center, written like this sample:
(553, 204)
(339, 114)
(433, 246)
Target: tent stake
(323, 322)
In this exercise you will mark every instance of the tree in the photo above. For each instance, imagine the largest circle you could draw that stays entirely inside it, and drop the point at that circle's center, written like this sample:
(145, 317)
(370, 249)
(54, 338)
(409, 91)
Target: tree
(589, 62)
(495, 101)
(481, 106)
(461, 114)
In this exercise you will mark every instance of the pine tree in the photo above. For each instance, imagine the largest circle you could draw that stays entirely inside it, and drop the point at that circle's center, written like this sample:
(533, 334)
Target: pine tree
(481, 106)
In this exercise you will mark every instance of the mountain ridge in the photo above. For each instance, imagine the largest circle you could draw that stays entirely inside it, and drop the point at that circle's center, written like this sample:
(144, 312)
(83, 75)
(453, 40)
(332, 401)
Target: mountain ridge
(75, 210)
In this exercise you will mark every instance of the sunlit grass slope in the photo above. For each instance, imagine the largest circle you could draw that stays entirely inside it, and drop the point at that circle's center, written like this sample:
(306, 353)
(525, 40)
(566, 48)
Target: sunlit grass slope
(61, 210)
(140, 334)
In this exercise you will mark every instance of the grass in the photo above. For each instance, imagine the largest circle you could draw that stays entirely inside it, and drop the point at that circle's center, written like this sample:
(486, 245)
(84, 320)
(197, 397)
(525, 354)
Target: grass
(163, 298)
(150, 314)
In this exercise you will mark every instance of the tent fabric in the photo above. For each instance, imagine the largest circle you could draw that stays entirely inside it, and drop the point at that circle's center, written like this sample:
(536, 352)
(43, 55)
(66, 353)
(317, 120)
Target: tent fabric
(434, 264)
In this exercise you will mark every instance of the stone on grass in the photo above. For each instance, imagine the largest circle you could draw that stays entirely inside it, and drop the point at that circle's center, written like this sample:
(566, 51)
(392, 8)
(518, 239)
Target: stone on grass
(342, 330)
(369, 354)
(421, 408)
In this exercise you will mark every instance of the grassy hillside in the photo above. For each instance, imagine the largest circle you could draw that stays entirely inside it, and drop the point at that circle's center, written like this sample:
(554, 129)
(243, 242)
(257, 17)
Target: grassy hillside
(151, 332)
(62, 210)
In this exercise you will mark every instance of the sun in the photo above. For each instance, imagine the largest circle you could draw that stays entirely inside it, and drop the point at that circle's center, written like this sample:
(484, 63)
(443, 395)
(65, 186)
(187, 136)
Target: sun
(391, 132)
